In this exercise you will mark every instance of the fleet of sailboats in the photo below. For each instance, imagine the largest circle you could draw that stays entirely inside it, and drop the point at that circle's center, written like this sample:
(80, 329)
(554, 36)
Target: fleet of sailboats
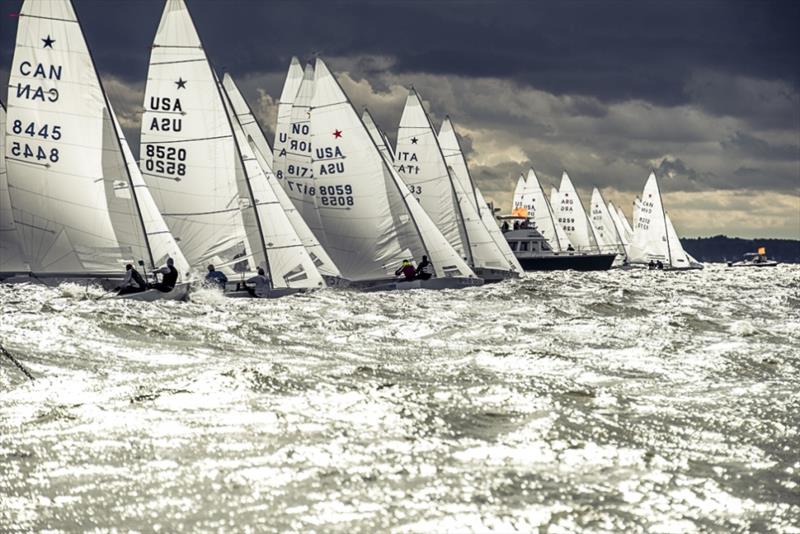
(331, 203)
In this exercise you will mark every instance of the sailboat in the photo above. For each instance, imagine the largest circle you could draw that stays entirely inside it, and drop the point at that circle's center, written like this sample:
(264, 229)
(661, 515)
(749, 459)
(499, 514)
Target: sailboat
(619, 222)
(264, 155)
(79, 203)
(12, 261)
(571, 215)
(608, 237)
(371, 222)
(447, 200)
(378, 136)
(205, 176)
(654, 237)
(500, 254)
(538, 210)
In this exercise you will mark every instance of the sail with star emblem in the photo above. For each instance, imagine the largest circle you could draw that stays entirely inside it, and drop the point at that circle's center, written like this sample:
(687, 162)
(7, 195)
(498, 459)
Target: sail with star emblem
(78, 201)
(420, 163)
(188, 153)
(371, 221)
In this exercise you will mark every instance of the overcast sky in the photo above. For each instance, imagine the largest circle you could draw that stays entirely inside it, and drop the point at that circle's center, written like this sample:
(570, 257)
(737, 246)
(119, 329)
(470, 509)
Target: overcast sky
(705, 92)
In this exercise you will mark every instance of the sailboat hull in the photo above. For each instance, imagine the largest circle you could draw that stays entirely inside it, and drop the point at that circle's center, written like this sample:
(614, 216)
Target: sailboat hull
(179, 292)
(432, 283)
(578, 262)
(490, 276)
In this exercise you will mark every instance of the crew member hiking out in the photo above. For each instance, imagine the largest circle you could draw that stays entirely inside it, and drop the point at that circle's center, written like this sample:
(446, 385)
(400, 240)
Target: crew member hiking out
(216, 278)
(132, 283)
(424, 269)
(169, 277)
(260, 284)
(407, 270)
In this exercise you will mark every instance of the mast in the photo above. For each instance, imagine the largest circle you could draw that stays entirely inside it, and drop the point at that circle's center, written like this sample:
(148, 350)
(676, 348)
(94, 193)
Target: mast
(113, 120)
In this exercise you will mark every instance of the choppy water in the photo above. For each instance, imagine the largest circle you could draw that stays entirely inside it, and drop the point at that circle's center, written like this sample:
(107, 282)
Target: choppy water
(619, 401)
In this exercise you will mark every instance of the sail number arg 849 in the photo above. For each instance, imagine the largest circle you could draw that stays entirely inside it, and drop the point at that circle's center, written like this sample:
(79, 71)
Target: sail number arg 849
(165, 160)
(34, 151)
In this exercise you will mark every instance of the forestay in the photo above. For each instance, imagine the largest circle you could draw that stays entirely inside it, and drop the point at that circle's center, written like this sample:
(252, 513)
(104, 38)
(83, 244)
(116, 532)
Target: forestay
(78, 200)
(188, 156)
(501, 254)
(258, 142)
(11, 259)
(371, 221)
(572, 217)
(420, 163)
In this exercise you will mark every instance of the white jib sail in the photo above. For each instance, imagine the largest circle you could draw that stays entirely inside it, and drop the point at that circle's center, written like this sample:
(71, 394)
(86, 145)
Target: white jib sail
(77, 204)
(620, 227)
(650, 240)
(273, 241)
(572, 217)
(605, 230)
(420, 163)
(371, 221)
(297, 174)
(625, 224)
(517, 199)
(533, 199)
(247, 119)
(11, 258)
(257, 142)
(280, 145)
(454, 157)
(188, 157)
(679, 259)
(377, 135)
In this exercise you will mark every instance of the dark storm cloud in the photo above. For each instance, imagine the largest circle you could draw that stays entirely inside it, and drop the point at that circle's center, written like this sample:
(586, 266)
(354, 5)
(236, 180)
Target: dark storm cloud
(611, 50)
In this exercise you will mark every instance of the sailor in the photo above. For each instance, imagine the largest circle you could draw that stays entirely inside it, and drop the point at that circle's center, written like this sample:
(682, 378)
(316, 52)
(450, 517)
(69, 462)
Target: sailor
(169, 277)
(240, 266)
(407, 270)
(505, 227)
(216, 278)
(516, 225)
(260, 283)
(570, 248)
(525, 225)
(659, 265)
(651, 265)
(424, 269)
(132, 283)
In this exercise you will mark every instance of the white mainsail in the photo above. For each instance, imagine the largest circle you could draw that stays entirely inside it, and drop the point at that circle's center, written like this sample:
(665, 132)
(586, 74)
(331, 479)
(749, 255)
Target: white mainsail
(454, 157)
(78, 200)
(371, 221)
(420, 163)
(274, 243)
(260, 146)
(11, 258)
(538, 208)
(572, 217)
(188, 154)
(280, 145)
(247, 119)
(608, 238)
(296, 174)
(678, 258)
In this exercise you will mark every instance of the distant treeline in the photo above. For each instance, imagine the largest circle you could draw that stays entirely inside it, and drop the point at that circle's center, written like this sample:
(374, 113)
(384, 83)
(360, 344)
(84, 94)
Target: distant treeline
(723, 248)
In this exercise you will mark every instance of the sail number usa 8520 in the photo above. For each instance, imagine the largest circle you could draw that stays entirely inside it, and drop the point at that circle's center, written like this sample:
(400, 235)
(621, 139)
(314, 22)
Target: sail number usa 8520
(165, 160)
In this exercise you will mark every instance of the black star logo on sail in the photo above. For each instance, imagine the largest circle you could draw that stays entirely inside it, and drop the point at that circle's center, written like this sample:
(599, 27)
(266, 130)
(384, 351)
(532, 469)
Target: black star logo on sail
(181, 83)
(48, 43)
(414, 140)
